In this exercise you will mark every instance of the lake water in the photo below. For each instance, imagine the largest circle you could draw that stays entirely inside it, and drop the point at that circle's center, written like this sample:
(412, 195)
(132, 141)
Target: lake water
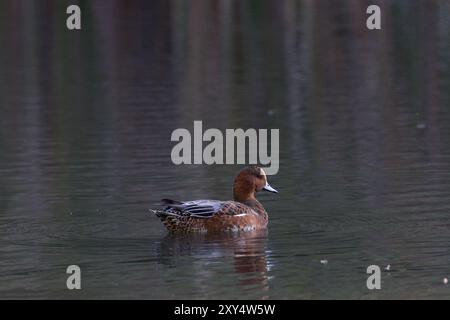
(85, 125)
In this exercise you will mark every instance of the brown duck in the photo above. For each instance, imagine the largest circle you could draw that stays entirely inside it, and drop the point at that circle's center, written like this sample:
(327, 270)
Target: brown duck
(244, 213)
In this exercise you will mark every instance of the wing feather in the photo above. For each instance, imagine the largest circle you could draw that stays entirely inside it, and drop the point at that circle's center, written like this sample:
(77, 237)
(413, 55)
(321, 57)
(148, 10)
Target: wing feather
(197, 208)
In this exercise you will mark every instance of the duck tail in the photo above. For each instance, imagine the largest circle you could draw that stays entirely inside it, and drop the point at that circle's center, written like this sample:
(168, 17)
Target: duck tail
(170, 215)
(163, 214)
(158, 213)
(169, 203)
(169, 219)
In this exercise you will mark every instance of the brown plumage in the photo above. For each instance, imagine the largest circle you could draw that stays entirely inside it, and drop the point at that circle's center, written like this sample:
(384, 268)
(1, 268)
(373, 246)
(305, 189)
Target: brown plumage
(244, 213)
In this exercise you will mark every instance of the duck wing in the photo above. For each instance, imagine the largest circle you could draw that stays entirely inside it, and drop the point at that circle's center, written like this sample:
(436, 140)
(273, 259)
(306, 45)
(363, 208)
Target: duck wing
(196, 208)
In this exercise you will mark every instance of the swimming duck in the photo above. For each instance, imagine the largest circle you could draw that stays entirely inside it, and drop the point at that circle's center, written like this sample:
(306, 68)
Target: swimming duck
(244, 213)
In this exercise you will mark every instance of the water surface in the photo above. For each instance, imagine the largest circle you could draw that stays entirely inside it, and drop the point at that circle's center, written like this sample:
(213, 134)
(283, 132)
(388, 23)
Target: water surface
(85, 126)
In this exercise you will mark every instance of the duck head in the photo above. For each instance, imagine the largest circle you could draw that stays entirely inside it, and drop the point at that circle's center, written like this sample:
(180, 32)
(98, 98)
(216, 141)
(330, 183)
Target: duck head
(249, 181)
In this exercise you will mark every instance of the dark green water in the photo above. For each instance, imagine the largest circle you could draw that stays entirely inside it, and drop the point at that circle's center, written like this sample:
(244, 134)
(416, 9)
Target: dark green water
(85, 124)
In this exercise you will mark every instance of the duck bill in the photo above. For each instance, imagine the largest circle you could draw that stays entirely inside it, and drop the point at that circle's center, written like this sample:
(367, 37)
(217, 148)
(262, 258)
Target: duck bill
(269, 188)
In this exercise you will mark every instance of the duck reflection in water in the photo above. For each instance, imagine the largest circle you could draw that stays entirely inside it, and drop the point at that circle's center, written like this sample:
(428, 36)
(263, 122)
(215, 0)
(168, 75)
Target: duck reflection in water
(251, 260)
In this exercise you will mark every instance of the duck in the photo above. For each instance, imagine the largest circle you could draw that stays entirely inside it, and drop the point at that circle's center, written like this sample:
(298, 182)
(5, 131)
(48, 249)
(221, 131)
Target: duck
(243, 213)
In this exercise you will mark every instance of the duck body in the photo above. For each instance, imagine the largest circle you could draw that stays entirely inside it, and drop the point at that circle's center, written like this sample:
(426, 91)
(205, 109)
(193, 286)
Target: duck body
(244, 213)
(212, 216)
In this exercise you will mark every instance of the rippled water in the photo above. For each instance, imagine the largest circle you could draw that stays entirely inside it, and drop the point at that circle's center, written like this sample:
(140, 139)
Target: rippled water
(85, 128)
